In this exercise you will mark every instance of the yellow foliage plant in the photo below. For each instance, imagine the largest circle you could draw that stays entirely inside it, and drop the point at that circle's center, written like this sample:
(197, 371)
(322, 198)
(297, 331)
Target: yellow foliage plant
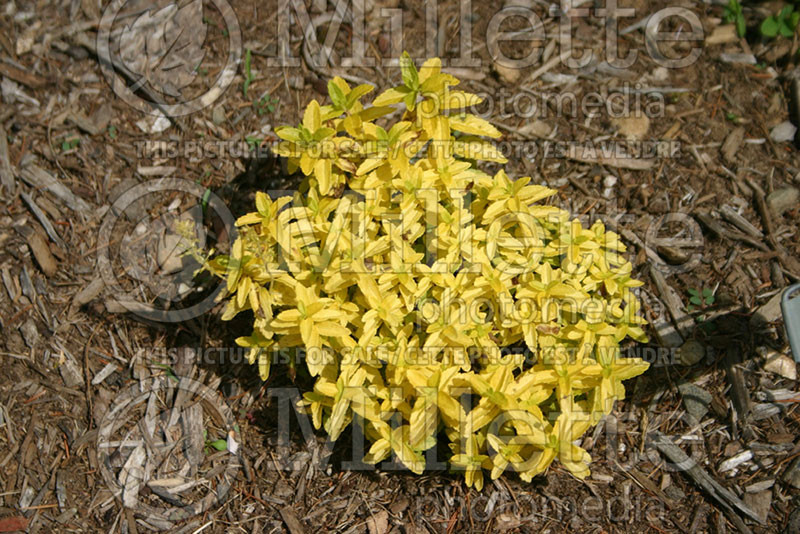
(405, 274)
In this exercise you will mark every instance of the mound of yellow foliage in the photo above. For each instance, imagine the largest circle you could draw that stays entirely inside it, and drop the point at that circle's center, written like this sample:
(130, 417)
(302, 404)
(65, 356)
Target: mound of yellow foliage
(401, 271)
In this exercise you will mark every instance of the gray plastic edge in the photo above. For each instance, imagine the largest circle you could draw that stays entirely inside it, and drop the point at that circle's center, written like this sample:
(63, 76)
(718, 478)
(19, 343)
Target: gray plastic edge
(791, 319)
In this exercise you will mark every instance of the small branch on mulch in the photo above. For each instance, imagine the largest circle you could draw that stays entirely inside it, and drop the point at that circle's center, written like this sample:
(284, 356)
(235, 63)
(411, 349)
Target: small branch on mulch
(726, 498)
(309, 42)
(790, 265)
(731, 215)
(738, 391)
(83, 40)
(29, 79)
(716, 227)
(682, 321)
(611, 161)
(43, 219)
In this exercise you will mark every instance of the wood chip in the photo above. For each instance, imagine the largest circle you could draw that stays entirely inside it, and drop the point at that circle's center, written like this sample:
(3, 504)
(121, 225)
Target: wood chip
(158, 170)
(509, 75)
(378, 523)
(465, 73)
(782, 200)
(760, 486)
(536, 128)
(787, 260)
(94, 125)
(635, 128)
(70, 371)
(699, 517)
(781, 395)
(792, 475)
(767, 313)
(22, 76)
(130, 518)
(735, 461)
(88, 293)
(292, 523)
(723, 34)
(6, 173)
(747, 59)
(61, 490)
(37, 177)
(166, 482)
(731, 144)
(583, 154)
(131, 477)
(13, 524)
(763, 410)
(738, 392)
(649, 485)
(733, 217)
(114, 305)
(695, 399)
(104, 373)
(781, 364)
(192, 426)
(550, 64)
(760, 502)
(83, 123)
(41, 251)
(793, 524)
(666, 333)
(727, 234)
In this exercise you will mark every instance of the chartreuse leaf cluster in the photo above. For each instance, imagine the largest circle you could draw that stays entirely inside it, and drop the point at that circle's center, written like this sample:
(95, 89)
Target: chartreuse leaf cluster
(400, 271)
